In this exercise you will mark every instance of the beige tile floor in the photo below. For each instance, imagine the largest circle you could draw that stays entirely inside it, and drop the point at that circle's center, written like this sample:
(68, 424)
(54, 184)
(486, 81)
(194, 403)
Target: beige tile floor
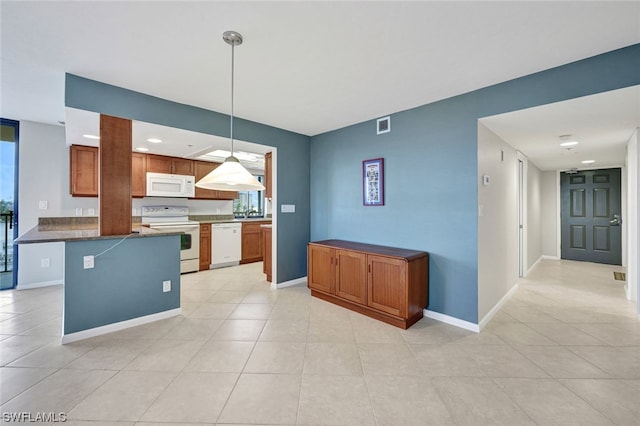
(564, 350)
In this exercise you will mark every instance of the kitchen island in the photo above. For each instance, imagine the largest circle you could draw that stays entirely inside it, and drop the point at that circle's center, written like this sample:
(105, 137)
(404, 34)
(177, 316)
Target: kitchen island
(113, 282)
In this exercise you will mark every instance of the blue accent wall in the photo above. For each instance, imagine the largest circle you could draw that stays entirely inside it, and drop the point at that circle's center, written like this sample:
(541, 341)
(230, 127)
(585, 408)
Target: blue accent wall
(431, 200)
(125, 283)
(292, 153)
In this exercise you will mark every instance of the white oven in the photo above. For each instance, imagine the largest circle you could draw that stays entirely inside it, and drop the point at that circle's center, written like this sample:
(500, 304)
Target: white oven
(176, 218)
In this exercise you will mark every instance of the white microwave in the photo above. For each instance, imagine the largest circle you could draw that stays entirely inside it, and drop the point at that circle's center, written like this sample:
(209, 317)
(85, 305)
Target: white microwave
(166, 185)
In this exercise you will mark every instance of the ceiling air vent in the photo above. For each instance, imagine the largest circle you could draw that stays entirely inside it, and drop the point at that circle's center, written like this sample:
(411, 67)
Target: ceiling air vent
(383, 125)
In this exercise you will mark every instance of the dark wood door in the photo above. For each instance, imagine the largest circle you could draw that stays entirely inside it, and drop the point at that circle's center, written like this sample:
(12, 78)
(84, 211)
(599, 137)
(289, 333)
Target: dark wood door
(351, 278)
(590, 216)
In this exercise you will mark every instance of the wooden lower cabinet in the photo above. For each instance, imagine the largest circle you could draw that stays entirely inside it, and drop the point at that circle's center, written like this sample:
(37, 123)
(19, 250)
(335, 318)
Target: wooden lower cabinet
(252, 241)
(205, 246)
(386, 283)
(266, 251)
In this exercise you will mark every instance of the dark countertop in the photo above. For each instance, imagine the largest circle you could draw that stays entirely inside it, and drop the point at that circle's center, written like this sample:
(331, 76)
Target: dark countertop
(55, 229)
(79, 232)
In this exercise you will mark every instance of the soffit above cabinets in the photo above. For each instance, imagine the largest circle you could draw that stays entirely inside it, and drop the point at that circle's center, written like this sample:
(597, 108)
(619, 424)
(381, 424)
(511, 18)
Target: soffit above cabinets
(175, 142)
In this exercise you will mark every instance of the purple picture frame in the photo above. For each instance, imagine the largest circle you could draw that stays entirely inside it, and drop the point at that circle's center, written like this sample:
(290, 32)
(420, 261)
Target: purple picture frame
(373, 182)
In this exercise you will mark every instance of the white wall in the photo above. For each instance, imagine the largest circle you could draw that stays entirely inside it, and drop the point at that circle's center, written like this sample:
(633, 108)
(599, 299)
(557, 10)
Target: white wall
(497, 221)
(43, 176)
(549, 213)
(633, 215)
(534, 215)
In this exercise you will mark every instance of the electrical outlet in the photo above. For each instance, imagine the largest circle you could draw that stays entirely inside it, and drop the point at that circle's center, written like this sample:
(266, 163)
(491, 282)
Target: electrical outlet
(91, 212)
(78, 211)
(43, 205)
(44, 263)
(166, 286)
(88, 262)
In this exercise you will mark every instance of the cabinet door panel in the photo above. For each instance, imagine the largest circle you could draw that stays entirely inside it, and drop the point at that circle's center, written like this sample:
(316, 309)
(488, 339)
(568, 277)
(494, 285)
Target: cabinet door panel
(321, 273)
(181, 166)
(387, 289)
(84, 171)
(201, 169)
(351, 276)
(251, 243)
(138, 174)
(158, 163)
(205, 246)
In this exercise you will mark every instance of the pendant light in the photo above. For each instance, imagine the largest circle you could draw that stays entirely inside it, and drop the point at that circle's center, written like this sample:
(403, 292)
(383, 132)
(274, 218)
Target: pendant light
(231, 175)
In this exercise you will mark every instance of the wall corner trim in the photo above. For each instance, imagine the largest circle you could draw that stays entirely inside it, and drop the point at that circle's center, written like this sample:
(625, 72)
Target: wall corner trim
(498, 306)
(451, 320)
(110, 328)
(301, 280)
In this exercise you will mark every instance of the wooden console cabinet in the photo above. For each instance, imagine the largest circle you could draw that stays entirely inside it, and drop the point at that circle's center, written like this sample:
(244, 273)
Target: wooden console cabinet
(385, 283)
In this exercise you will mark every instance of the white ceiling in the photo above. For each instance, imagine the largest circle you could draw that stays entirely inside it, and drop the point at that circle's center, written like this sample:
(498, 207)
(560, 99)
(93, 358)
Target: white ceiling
(602, 124)
(309, 67)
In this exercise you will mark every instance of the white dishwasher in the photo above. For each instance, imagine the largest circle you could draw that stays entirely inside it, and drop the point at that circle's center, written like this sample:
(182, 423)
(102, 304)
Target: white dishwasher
(226, 244)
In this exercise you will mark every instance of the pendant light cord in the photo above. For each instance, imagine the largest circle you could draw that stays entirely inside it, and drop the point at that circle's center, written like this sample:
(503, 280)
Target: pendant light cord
(233, 46)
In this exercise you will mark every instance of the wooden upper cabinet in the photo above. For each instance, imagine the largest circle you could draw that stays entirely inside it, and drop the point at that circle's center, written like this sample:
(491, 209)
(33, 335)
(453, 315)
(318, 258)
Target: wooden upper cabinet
(170, 165)
(158, 163)
(83, 171)
(268, 175)
(203, 168)
(181, 166)
(138, 174)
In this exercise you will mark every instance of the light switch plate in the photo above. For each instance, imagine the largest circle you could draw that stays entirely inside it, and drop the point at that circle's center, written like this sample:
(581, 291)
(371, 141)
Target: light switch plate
(288, 208)
(91, 212)
(43, 205)
(166, 286)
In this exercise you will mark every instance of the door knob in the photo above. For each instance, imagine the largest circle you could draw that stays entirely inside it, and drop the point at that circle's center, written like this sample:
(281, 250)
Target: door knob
(616, 221)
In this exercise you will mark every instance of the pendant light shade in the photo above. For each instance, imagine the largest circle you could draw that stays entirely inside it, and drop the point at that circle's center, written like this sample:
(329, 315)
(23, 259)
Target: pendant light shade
(231, 175)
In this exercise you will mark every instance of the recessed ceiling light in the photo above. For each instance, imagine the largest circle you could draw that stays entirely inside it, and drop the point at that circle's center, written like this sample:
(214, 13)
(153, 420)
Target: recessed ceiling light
(154, 140)
(91, 136)
(569, 143)
(142, 149)
(588, 161)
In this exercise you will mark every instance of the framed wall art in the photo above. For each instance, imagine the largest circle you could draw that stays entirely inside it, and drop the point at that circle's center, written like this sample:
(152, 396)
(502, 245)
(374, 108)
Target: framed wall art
(373, 182)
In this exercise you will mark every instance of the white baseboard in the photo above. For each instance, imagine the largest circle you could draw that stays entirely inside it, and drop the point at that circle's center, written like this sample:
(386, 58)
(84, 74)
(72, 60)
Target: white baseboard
(549, 257)
(117, 326)
(451, 320)
(485, 320)
(302, 280)
(38, 285)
